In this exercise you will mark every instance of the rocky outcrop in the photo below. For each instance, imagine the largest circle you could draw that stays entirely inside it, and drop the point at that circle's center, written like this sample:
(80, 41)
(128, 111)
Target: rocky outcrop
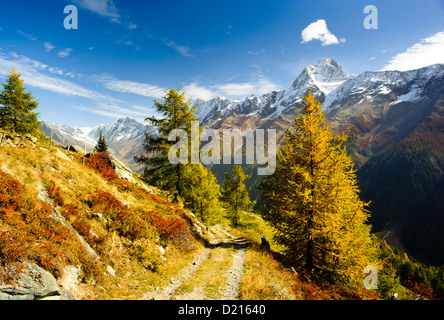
(34, 283)
(15, 140)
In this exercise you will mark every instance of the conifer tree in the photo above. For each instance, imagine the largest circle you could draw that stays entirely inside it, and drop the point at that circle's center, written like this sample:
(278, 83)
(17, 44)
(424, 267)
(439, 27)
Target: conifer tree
(16, 106)
(101, 145)
(312, 200)
(202, 192)
(234, 194)
(176, 113)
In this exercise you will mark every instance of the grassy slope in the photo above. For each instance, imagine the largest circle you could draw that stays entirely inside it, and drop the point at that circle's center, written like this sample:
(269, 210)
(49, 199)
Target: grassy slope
(132, 224)
(50, 201)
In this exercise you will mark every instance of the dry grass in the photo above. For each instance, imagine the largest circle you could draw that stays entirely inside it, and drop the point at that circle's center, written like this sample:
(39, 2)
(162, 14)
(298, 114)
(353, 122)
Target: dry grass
(209, 278)
(61, 183)
(266, 279)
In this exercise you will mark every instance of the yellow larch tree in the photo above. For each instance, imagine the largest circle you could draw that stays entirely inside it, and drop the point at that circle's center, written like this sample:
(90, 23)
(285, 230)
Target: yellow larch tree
(312, 201)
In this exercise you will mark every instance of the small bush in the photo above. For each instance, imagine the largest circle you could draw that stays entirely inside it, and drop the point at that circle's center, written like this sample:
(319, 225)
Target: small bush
(101, 162)
(28, 231)
(54, 192)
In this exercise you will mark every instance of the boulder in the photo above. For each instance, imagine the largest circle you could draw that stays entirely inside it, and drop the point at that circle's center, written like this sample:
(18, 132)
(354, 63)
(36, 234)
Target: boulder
(122, 170)
(70, 278)
(75, 148)
(31, 138)
(33, 284)
(61, 155)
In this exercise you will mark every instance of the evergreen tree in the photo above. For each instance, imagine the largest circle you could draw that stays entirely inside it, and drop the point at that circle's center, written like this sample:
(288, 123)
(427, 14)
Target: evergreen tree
(312, 200)
(101, 145)
(235, 194)
(16, 106)
(202, 192)
(176, 113)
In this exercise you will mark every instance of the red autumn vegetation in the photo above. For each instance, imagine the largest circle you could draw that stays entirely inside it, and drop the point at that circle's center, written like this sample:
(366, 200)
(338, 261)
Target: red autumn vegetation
(81, 225)
(101, 162)
(29, 231)
(54, 192)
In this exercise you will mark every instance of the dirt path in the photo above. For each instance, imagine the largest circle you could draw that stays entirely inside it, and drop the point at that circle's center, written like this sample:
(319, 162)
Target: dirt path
(215, 273)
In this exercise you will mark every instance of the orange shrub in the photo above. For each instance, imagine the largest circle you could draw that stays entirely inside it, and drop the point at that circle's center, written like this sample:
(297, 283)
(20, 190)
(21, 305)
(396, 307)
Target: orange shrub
(27, 229)
(101, 162)
(54, 192)
(81, 225)
(167, 227)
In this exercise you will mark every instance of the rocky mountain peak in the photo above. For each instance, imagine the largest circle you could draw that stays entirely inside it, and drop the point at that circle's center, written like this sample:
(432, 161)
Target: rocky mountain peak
(325, 75)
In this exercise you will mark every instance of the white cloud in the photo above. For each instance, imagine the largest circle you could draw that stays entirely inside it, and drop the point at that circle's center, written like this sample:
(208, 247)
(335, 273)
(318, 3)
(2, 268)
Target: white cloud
(183, 50)
(48, 46)
(259, 84)
(126, 86)
(194, 90)
(29, 36)
(424, 53)
(318, 31)
(257, 52)
(64, 53)
(116, 111)
(32, 74)
(105, 8)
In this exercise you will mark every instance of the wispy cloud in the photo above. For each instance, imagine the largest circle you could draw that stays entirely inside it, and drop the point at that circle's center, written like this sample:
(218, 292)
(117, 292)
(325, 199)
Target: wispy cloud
(39, 75)
(64, 53)
(424, 53)
(132, 26)
(318, 31)
(183, 50)
(259, 84)
(143, 89)
(48, 46)
(105, 8)
(33, 73)
(26, 35)
(117, 111)
(257, 52)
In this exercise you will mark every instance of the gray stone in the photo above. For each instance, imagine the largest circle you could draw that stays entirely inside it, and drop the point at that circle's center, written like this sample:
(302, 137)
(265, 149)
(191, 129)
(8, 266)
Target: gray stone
(31, 138)
(37, 281)
(75, 148)
(4, 296)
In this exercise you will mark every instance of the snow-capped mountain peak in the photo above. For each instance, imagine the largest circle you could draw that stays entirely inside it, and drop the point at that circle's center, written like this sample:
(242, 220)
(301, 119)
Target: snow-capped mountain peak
(325, 75)
(321, 78)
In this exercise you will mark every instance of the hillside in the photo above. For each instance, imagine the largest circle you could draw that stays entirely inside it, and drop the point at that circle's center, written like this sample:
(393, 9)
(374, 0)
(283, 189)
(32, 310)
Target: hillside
(70, 228)
(405, 183)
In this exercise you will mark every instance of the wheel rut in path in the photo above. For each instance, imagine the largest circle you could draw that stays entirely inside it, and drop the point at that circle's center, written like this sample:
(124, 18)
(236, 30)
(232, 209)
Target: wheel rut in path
(215, 273)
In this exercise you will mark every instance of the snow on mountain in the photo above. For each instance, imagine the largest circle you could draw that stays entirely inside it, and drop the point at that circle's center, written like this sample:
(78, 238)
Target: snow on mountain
(123, 129)
(342, 94)
(407, 86)
(322, 78)
(124, 137)
(66, 135)
(333, 87)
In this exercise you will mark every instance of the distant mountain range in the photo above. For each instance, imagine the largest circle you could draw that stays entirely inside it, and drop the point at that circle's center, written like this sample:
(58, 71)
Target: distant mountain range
(124, 138)
(392, 118)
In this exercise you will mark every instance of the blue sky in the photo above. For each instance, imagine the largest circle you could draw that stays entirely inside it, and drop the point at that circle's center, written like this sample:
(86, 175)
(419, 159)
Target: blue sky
(126, 52)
